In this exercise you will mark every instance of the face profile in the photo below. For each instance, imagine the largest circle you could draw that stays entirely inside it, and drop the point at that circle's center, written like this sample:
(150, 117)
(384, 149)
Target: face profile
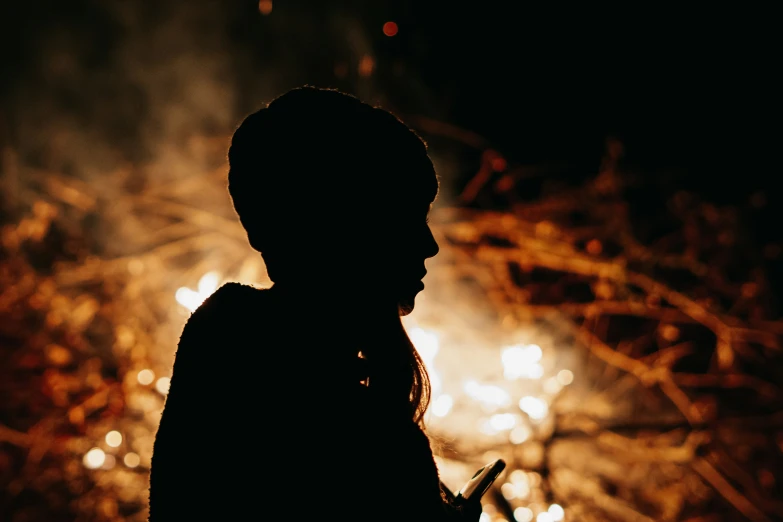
(416, 244)
(335, 194)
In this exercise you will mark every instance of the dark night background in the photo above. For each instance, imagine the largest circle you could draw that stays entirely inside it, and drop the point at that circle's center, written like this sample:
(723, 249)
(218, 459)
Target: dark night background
(691, 94)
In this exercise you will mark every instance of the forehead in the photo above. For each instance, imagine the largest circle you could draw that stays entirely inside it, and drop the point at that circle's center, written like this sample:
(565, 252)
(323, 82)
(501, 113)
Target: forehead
(422, 186)
(406, 211)
(413, 189)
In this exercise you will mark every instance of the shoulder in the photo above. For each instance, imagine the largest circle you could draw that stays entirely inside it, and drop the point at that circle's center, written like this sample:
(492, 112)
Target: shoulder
(222, 313)
(230, 300)
(232, 296)
(222, 321)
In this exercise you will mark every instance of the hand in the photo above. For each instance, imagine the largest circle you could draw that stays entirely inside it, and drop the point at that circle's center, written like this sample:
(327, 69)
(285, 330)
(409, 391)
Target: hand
(468, 510)
(450, 497)
(461, 510)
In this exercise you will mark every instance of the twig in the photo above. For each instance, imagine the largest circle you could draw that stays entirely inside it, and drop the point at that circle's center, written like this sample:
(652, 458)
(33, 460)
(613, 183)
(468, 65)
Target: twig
(727, 491)
(17, 438)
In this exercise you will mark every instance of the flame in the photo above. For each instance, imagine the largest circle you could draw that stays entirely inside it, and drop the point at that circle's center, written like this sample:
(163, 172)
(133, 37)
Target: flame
(94, 459)
(162, 385)
(537, 408)
(427, 344)
(145, 376)
(114, 438)
(488, 394)
(522, 362)
(441, 405)
(557, 512)
(192, 299)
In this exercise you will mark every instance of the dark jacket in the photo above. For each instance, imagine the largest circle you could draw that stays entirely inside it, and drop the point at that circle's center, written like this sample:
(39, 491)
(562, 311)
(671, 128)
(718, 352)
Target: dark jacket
(263, 420)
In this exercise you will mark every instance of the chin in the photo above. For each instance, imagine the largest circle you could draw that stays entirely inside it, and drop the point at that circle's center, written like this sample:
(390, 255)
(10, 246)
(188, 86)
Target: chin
(405, 309)
(406, 304)
(406, 300)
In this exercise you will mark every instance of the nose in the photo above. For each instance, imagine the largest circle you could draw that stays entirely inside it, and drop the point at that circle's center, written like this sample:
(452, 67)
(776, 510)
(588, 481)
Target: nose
(431, 246)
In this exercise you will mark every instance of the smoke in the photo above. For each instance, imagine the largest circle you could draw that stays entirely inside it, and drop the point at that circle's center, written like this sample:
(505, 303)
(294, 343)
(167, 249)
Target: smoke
(110, 93)
(121, 83)
(95, 84)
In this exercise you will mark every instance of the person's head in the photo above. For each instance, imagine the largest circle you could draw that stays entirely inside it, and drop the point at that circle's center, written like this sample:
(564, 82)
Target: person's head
(335, 194)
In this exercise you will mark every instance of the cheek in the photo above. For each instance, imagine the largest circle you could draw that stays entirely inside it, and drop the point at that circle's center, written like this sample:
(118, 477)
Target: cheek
(397, 243)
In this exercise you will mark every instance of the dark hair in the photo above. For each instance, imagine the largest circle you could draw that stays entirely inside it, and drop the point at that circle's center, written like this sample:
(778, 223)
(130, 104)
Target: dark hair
(319, 147)
(313, 142)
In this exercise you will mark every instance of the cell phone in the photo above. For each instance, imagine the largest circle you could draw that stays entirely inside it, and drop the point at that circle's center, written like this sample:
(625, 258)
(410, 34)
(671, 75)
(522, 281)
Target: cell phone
(481, 481)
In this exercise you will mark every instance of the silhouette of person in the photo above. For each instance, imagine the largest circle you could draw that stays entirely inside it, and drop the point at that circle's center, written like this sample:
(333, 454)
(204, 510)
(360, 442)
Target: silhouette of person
(306, 399)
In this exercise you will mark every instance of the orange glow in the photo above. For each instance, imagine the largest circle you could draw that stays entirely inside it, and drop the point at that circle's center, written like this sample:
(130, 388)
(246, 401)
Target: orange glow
(366, 65)
(390, 28)
(131, 460)
(518, 357)
(265, 7)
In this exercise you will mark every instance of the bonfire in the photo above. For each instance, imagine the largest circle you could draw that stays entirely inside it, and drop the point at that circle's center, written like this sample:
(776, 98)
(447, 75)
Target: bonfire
(625, 370)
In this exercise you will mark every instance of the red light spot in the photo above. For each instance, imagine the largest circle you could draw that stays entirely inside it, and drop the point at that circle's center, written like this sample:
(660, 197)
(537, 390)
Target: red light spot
(594, 247)
(390, 28)
(499, 164)
(265, 7)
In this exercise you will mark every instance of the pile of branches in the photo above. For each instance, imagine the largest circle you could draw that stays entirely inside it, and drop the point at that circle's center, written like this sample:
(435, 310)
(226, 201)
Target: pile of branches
(678, 418)
(679, 412)
(67, 355)
(88, 275)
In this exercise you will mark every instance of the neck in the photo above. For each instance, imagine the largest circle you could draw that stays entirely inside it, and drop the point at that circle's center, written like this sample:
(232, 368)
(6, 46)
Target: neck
(358, 321)
(361, 305)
